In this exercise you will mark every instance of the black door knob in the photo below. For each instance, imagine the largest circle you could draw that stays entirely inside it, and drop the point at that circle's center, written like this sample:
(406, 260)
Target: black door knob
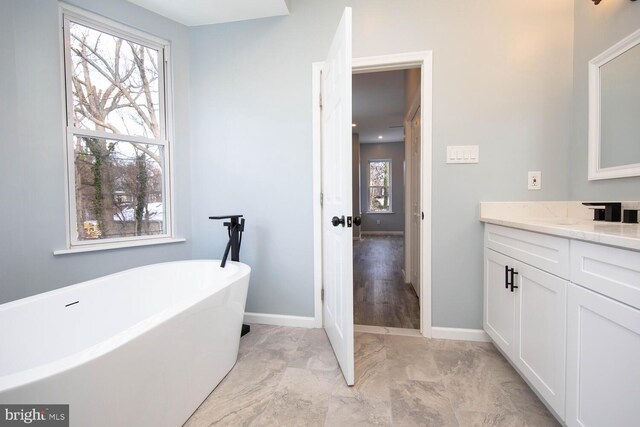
(357, 220)
(337, 221)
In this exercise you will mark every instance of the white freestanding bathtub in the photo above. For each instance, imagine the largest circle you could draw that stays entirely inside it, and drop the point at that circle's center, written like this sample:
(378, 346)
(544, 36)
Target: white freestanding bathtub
(143, 347)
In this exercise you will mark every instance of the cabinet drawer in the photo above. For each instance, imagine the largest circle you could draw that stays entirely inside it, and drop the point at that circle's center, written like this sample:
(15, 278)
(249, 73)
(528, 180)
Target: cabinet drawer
(548, 253)
(610, 271)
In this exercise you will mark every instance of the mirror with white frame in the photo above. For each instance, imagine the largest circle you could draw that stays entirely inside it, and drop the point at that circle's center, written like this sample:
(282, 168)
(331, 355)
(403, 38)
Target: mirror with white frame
(614, 111)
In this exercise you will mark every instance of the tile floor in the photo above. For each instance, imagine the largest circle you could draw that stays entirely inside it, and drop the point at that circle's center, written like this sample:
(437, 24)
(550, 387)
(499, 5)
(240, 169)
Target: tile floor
(289, 377)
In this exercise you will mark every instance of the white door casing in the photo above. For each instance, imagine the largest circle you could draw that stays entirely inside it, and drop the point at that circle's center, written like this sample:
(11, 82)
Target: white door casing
(337, 241)
(416, 205)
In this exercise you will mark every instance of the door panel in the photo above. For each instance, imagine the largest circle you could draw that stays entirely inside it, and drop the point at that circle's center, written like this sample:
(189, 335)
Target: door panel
(540, 328)
(499, 303)
(603, 349)
(337, 241)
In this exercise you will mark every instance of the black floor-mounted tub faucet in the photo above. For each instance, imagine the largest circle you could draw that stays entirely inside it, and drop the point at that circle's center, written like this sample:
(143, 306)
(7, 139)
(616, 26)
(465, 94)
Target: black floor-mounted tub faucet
(235, 228)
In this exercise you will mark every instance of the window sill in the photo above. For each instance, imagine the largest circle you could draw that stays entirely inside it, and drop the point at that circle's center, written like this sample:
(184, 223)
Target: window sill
(118, 245)
(379, 213)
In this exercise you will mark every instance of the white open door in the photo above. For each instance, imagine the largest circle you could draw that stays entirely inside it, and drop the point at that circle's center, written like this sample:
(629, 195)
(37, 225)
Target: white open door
(337, 242)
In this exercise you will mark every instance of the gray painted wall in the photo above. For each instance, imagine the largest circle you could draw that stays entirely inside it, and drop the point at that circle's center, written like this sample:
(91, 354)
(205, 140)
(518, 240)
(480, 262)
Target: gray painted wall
(32, 170)
(243, 100)
(502, 80)
(388, 221)
(411, 88)
(10, 190)
(596, 28)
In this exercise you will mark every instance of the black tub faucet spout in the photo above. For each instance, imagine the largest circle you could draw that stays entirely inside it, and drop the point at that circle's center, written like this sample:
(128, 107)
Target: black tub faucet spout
(235, 228)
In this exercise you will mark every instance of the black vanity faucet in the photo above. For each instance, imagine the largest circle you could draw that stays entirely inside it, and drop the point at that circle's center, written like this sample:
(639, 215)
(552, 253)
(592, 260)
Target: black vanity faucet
(606, 211)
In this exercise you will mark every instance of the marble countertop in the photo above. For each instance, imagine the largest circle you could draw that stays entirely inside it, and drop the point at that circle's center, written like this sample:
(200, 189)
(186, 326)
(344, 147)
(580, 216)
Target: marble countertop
(564, 219)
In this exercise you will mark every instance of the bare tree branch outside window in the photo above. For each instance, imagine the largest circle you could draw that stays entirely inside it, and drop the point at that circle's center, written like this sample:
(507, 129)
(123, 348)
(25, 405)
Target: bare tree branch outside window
(379, 186)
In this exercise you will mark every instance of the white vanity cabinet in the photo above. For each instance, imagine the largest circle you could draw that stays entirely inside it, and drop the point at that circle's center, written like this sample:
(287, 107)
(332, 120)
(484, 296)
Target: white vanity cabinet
(603, 337)
(570, 323)
(525, 306)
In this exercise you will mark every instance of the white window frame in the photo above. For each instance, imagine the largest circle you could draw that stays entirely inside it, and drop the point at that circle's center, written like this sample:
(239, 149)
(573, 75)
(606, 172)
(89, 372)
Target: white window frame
(68, 14)
(369, 186)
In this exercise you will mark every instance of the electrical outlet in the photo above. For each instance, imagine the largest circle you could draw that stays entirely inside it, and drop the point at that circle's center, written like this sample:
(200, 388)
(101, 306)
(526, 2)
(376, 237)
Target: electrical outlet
(534, 180)
(378, 221)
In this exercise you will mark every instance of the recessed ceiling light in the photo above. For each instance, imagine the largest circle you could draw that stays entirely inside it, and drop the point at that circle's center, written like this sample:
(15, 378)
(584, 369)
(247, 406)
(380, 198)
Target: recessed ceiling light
(379, 136)
(353, 125)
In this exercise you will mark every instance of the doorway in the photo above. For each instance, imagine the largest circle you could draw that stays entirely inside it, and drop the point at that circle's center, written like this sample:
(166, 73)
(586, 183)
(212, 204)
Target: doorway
(423, 60)
(332, 199)
(386, 165)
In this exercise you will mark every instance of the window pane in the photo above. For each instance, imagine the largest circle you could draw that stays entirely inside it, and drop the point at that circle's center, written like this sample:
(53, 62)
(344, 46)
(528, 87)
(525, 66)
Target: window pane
(114, 84)
(379, 199)
(119, 189)
(379, 173)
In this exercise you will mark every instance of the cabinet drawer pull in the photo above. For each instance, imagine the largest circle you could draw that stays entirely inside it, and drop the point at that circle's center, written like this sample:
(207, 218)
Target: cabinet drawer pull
(512, 284)
(506, 277)
(508, 283)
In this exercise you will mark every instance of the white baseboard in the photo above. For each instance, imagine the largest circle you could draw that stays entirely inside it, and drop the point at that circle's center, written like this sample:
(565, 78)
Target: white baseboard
(384, 330)
(281, 320)
(382, 233)
(459, 334)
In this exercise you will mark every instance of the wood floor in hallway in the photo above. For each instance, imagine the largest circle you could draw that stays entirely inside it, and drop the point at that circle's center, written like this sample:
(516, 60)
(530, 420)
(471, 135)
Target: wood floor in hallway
(380, 296)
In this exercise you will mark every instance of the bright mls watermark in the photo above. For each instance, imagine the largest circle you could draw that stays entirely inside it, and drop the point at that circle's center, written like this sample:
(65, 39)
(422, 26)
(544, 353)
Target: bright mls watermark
(34, 415)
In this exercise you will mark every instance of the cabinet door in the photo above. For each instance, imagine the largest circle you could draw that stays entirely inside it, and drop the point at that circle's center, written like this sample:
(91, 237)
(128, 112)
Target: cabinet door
(499, 302)
(541, 332)
(603, 361)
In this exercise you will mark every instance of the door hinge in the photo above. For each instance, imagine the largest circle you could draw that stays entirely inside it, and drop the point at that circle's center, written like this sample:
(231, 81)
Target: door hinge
(321, 100)
(321, 199)
(322, 294)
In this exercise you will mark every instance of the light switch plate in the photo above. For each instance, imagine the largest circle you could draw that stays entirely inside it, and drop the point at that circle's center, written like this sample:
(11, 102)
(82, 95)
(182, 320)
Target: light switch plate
(534, 180)
(463, 154)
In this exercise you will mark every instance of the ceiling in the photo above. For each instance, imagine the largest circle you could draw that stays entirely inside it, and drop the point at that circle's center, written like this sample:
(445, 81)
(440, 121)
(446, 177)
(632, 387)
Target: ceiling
(378, 106)
(204, 12)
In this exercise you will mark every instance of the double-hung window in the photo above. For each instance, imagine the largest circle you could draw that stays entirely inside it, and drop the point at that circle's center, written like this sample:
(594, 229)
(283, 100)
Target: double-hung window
(117, 136)
(380, 186)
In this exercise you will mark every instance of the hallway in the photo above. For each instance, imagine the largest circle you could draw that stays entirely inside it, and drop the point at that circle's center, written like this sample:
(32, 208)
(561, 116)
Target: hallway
(381, 298)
